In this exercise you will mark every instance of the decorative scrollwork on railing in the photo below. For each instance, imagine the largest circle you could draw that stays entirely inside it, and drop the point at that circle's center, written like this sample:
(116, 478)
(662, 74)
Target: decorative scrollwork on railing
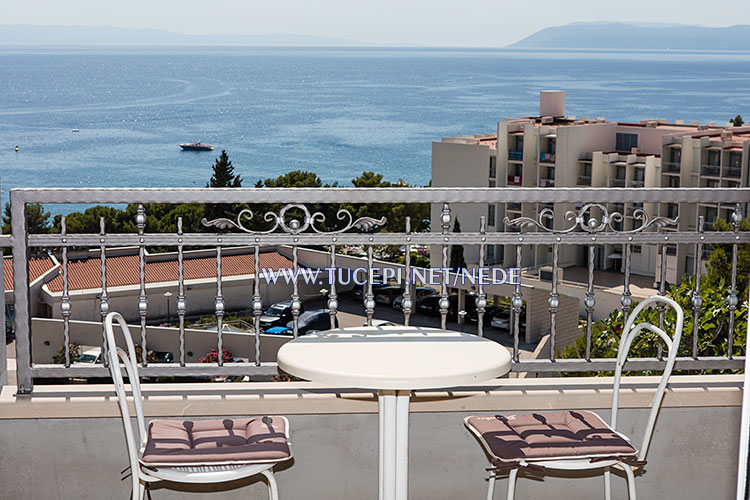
(295, 225)
(583, 220)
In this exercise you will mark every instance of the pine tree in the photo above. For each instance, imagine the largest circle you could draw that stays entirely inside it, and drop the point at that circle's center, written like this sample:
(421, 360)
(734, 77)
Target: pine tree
(223, 177)
(737, 121)
(224, 173)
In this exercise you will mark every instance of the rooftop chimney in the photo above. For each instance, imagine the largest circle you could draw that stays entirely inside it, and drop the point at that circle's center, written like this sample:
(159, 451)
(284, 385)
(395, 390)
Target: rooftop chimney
(552, 103)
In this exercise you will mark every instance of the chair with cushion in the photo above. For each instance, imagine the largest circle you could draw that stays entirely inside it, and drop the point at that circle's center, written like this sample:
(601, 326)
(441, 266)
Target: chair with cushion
(576, 440)
(184, 451)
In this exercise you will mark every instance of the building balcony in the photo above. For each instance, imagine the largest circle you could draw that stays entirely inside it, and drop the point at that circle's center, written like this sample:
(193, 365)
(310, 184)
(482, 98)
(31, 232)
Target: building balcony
(547, 157)
(514, 207)
(546, 182)
(336, 429)
(584, 180)
(44, 427)
(731, 172)
(710, 170)
(637, 184)
(515, 155)
(515, 180)
(669, 167)
(617, 182)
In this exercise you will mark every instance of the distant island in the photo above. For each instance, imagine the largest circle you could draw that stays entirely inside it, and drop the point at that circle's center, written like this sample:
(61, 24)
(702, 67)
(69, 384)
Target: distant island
(33, 35)
(606, 35)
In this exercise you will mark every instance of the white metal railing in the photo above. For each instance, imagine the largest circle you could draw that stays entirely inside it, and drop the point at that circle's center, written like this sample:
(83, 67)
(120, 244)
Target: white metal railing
(590, 226)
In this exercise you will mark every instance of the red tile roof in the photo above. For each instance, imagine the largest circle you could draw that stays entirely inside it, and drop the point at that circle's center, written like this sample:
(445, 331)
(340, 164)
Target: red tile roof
(125, 270)
(37, 267)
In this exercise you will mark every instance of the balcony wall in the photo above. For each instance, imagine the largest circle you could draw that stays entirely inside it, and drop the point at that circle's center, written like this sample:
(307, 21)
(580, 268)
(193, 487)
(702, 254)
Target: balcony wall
(67, 441)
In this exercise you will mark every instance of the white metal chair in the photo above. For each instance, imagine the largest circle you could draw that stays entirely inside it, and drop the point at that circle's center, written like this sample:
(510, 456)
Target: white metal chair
(200, 451)
(576, 440)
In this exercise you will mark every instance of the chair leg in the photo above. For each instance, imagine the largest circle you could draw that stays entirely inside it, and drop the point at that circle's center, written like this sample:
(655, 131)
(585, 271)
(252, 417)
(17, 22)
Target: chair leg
(607, 484)
(141, 491)
(491, 488)
(631, 481)
(273, 489)
(512, 484)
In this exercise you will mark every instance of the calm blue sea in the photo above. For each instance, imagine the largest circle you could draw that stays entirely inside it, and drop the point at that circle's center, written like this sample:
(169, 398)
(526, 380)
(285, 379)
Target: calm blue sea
(333, 111)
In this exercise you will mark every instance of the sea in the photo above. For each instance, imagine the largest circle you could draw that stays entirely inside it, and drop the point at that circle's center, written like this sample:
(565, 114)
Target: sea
(333, 111)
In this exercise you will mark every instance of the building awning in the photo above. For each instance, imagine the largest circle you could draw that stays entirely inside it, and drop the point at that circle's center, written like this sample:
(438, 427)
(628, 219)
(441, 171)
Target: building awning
(615, 255)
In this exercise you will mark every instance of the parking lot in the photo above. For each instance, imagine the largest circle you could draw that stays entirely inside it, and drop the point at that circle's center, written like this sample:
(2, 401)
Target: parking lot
(352, 313)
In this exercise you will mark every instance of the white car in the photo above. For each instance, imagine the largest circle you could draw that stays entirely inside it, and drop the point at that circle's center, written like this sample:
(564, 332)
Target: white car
(92, 356)
(381, 322)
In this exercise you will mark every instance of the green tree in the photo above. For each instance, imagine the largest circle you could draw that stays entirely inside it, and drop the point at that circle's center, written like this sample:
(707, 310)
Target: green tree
(37, 219)
(457, 260)
(719, 267)
(713, 326)
(223, 175)
(737, 121)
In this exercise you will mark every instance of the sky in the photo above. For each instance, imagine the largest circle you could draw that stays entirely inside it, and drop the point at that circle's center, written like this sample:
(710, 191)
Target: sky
(479, 23)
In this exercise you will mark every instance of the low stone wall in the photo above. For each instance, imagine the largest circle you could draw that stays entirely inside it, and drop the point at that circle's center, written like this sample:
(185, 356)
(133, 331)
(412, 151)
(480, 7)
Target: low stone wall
(67, 441)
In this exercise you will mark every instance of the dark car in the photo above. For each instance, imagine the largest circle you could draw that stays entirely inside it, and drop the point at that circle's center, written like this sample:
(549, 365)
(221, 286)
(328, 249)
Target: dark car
(388, 294)
(360, 290)
(489, 312)
(278, 314)
(161, 357)
(431, 306)
(312, 321)
(420, 293)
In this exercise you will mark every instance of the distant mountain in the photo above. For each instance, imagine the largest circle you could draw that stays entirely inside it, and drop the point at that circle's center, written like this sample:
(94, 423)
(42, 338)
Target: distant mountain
(604, 35)
(23, 34)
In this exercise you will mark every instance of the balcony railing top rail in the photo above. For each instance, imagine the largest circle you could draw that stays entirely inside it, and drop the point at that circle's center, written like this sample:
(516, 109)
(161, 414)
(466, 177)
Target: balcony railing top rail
(670, 167)
(590, 225)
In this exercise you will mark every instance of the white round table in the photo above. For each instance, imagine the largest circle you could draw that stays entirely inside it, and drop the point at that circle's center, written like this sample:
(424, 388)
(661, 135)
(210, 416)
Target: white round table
(394, 361)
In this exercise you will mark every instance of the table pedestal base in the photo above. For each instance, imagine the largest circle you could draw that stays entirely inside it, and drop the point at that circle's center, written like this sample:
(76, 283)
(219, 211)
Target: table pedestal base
(393, 412)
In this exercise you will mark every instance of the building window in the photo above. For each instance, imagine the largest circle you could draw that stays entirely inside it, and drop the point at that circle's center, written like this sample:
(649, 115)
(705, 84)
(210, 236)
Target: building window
(674, 181)
(492, 183)
(675, 155)
(637, 249)
(735, 160)
(626, 142)
(493, 167)
(714, 158)
(490, 215)
(491, 253)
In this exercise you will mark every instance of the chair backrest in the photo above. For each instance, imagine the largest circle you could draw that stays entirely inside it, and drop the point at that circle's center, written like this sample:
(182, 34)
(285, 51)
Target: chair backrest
(629, 332)
(115, 355)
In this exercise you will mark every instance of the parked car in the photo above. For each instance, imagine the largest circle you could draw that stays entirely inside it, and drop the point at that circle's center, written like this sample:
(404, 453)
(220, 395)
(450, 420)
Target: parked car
(161, 357)
(420, 293)
(388, 294)
(502, 321)
(381, 322)
(313, 321)
(360, 290)
(489, 312)
(279, 330)
(278, 314)
(91, 356)
(431, 306)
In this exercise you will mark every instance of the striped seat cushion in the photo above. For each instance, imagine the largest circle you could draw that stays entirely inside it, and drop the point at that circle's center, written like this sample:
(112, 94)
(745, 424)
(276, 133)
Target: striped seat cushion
(544, 436)
(225, 441)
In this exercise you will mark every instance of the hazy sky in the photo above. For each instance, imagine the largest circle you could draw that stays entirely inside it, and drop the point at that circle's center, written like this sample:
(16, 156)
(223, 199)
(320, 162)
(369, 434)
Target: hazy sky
(423, 22)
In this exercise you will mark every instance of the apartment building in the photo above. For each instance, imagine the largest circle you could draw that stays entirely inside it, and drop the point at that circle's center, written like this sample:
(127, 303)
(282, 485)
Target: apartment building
(556, 150)
(708, 157)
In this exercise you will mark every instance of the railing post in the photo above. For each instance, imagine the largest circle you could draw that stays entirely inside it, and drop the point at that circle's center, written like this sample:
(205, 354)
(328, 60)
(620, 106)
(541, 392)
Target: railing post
(19, 244)
(3, 347)
(743, 468)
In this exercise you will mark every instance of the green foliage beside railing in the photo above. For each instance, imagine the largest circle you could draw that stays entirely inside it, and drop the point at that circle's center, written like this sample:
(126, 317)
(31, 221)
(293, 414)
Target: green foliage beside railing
(713, 326)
